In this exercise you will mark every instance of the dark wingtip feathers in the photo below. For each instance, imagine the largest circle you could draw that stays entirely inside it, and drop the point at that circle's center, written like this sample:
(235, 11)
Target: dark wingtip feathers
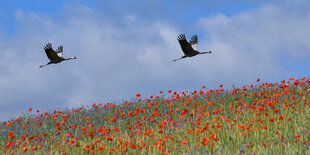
(194, 40)
(48, 46)
(60, 48)
(181, 37)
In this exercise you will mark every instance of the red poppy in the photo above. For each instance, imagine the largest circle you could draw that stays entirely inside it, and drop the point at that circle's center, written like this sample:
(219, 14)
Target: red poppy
(293, 97)
(24, 149)
(109, 138)
(34, 148)
(133, 146)
(8, 145)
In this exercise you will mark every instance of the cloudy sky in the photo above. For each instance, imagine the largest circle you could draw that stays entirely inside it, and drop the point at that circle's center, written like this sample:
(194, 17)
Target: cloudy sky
(125, 47)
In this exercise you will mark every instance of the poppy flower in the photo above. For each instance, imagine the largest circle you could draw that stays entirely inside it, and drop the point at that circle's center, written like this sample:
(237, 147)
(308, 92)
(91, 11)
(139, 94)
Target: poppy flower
(24, 149)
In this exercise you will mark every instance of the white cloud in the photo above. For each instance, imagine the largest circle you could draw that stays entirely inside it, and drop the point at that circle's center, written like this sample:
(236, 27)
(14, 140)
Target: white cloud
(119, 57)
(259, 42)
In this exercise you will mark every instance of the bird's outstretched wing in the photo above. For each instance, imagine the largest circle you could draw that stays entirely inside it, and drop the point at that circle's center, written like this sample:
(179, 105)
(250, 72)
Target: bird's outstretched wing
(186, 47)
(51, 54)
(59, 51)
(194, 42)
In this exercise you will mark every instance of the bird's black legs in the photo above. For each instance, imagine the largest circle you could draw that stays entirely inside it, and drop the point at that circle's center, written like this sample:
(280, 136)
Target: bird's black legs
(180, 58)
(45, 65)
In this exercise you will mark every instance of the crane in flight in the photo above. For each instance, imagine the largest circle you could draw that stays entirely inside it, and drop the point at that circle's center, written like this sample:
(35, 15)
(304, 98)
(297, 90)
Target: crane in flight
(54, 56)
(189, 48)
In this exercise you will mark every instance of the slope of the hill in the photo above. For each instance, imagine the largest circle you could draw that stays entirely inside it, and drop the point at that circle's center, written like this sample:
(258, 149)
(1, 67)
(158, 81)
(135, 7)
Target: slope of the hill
(262, 118)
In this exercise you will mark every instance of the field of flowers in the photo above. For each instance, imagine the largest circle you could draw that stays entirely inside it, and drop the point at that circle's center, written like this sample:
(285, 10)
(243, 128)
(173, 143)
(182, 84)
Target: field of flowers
(264, 118)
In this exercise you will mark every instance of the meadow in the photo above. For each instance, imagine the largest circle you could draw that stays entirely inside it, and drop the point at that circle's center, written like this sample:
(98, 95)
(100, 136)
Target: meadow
(262, 118)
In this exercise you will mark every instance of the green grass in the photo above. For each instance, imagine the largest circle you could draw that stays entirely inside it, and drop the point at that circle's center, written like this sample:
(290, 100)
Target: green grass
(261, 119)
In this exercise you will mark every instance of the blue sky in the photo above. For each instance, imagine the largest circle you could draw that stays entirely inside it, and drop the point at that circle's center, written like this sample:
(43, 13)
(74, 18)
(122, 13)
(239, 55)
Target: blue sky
(127, 47)
(167, 10)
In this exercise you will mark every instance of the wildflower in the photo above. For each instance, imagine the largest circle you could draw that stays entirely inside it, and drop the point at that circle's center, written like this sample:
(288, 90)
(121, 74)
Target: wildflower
(264, 127)
(204, 141)
(291, 79)
(211, 136)
(133, 146)
(184, 142)
(271, 120)
(24, 149)
(109, 138)
(138, 95)
(29, 109)
(293, 97)
(242, 151)
(8, 145)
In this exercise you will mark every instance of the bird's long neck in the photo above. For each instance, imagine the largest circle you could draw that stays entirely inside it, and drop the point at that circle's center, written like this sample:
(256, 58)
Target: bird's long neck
(205, 52)
(70, 58)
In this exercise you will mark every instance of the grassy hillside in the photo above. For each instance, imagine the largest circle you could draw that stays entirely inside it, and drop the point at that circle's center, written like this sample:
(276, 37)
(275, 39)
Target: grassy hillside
(264, 118)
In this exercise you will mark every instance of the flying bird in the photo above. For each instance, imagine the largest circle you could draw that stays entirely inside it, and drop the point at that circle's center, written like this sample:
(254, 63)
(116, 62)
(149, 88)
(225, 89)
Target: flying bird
(54, 56)
(189, 48)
